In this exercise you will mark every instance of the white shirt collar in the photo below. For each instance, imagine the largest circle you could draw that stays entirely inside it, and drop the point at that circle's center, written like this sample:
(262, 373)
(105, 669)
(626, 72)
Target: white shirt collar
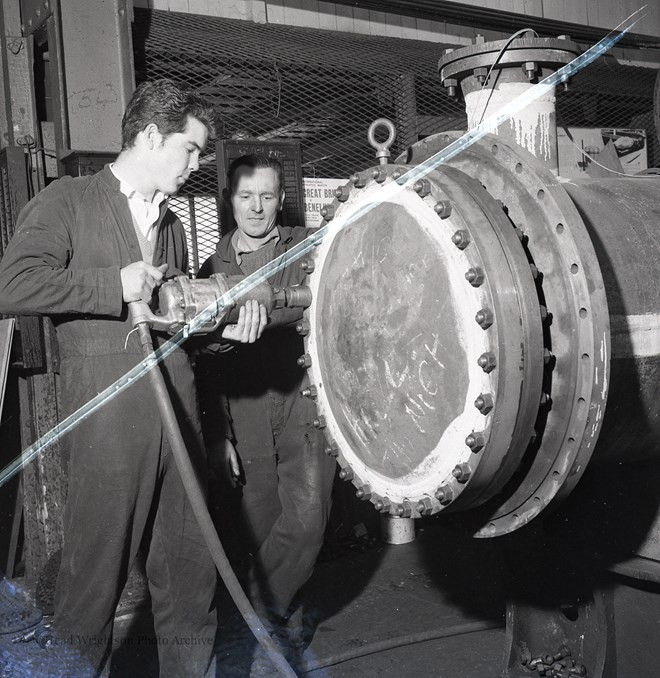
(131, 192)
(145, 212)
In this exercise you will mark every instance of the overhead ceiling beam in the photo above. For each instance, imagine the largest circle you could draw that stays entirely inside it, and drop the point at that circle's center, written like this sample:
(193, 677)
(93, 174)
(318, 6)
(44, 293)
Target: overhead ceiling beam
(486, 18)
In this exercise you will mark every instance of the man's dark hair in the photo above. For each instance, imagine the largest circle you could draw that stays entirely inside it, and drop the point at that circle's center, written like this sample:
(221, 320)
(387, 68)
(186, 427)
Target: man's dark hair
(166, 104)
(253, 162)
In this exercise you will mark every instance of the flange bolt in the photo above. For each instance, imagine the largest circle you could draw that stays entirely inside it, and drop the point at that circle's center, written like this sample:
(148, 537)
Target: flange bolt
(424, 506)
(383, 505)
(461, 239)
(364, 492)
(342, 193)
(303, 328)
(484, 403)
(304, 360)
(443, 209)
(484, 318)
(462, 472)
(487, 361)
(475, 276)
(331, 449)
(310, 392)
(307, 266)
(475, 441)
(358, 180)
(328, 212)
(379, 174)
(422, 187)
(346, 473)
(319, 422)
(444, 494)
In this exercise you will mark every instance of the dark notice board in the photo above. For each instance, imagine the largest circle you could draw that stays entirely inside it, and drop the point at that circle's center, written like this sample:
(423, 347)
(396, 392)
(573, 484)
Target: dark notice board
(289, 155)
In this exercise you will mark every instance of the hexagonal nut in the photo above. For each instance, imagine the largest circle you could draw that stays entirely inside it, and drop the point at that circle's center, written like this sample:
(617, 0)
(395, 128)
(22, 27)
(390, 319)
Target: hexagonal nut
(328, 212)
(310, 392)
(422, 187)
(319, 422)
(424, 506)
(331, 449)
(307, 266)
(443, 208)
(303, 327)
(342, 193)
(444, 494)
(476, 441)
(358, 180)
(484, 318)
(363, 492)
(462, 472)
(475, 276)
(382, 504)
(403, 510)
(487, 361)
(451, 84)
(379, 174)
(461, 239)
(346, 473)
(484, 403)
(304, 360)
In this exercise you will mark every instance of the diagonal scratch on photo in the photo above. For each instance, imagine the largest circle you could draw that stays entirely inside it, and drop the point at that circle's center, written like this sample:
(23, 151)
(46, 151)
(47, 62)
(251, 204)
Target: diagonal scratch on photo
(329, 338)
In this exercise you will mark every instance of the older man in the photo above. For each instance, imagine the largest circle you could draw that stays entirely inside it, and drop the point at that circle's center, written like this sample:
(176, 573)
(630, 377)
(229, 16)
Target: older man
(286, 476)
(84, 248)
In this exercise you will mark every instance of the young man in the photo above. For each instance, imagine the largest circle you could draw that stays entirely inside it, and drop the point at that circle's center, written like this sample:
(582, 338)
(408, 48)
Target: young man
(287, 477)
(83, 249)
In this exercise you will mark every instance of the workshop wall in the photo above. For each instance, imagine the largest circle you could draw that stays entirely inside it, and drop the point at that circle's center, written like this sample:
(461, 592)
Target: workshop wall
(327, 15)
(323, 88)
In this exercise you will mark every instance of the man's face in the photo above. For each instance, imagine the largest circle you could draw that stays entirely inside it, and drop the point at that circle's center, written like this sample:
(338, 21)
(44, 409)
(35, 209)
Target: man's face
(256, 200)
(177, 155)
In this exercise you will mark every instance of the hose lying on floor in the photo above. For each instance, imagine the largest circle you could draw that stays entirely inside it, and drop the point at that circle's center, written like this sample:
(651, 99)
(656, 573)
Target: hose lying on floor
(401, 641)
(198, 503)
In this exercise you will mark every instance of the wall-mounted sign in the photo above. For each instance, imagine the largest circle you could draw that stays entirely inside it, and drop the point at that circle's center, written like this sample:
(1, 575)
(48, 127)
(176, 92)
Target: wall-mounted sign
(317, 193)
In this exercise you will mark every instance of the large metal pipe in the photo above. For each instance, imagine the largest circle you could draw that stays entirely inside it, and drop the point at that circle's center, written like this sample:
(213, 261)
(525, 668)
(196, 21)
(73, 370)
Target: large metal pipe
(492, 74)
(467, 335)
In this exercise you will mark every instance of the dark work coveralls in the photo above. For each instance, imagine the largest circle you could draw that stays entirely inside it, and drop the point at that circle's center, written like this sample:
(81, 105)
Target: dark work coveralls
(288, 477)
(64, 261)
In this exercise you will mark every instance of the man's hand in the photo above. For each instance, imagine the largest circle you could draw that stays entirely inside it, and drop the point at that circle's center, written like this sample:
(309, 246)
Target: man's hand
(139, 279)
(223, 460)
(252, 319)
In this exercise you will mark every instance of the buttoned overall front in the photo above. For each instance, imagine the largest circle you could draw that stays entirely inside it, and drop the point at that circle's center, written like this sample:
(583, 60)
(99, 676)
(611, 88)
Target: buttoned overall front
(123, 486)
(287, 476)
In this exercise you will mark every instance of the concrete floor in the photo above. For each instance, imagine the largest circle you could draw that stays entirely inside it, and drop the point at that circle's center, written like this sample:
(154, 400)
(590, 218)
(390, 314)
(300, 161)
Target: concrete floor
(373, 592)
(362, 592)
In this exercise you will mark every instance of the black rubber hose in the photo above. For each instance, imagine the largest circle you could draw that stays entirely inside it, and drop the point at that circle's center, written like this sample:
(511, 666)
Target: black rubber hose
(401, 641)
(198, 503)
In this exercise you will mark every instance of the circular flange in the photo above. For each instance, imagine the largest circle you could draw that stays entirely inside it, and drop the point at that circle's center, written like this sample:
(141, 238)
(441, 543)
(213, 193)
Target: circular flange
(461, 63)
(419, 349)
(576, 331)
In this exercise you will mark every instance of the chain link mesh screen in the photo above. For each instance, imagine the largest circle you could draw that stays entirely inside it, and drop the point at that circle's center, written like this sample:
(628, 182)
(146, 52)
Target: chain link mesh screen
(324, 88)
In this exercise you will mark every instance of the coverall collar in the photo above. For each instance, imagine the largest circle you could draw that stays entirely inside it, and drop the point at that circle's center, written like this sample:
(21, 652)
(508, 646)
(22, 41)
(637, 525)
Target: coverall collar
(226, 251)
